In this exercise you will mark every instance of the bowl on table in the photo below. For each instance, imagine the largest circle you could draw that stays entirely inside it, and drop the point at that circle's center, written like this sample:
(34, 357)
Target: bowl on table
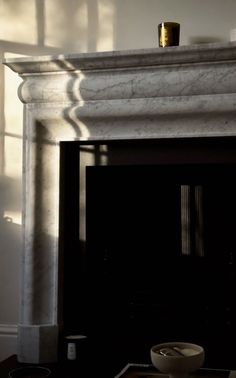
(177, 359)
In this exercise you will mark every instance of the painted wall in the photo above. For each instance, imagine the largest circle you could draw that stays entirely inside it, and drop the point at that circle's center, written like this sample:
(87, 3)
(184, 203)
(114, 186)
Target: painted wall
(35, 27)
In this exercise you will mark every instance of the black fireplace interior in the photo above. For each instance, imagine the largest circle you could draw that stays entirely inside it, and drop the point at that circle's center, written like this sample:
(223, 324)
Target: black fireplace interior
(158, 260)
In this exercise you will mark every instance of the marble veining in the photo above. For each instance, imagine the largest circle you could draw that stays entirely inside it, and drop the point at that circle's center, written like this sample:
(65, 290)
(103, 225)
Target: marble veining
(186, 91)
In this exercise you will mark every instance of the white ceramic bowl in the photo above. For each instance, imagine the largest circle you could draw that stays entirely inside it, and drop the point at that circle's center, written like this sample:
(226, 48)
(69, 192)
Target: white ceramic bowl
(177, 358)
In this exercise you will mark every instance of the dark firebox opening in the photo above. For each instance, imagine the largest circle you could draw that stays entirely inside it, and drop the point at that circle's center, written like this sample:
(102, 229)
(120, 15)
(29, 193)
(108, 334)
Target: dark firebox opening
(158, 260)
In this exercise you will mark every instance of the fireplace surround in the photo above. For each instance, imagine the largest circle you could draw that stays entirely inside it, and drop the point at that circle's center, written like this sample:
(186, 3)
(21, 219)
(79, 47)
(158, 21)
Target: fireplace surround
(175, 94)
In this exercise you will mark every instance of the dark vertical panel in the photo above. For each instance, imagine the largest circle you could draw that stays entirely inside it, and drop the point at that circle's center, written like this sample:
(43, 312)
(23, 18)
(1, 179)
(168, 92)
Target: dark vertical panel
(71, 249)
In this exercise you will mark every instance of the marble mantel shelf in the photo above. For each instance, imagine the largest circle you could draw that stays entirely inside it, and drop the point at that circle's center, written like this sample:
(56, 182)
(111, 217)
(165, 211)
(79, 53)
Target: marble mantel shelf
(126, 58)
(178, 92)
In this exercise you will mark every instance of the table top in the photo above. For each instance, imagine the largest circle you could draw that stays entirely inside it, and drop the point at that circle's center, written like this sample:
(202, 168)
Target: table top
(67, 369)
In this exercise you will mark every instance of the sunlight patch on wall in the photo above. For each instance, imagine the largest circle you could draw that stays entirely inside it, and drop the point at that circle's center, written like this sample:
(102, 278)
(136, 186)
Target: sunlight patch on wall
(13, 157)
(13, 108)
(13, 111)
(106, 25)
(22, 26)
(80, 26)
(13, 217)
(66, 25)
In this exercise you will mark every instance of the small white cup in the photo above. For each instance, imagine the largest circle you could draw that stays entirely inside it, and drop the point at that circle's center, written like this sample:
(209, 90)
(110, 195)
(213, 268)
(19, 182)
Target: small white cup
(71, 351)
(76, 346)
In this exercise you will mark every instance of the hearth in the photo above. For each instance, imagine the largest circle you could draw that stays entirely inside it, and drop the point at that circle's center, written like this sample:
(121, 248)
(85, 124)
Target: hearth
(146, 272)
(153, 108)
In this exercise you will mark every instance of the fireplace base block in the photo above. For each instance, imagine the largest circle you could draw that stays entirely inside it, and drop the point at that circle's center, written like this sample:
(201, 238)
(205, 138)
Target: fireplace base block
(37, 343)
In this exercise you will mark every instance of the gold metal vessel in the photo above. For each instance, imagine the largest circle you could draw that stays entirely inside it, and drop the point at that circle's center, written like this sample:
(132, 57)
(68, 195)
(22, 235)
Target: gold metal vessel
(168, 33)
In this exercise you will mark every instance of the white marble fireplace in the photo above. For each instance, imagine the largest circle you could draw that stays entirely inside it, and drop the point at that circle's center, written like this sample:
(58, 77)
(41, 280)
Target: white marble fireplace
(180, 92)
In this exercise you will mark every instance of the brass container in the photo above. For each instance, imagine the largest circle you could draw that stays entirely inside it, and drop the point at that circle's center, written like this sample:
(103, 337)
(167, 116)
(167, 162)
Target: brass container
(168, 33)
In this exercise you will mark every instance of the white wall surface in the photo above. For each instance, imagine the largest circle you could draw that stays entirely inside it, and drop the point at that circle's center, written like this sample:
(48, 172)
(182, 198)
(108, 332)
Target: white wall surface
(35, 27)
